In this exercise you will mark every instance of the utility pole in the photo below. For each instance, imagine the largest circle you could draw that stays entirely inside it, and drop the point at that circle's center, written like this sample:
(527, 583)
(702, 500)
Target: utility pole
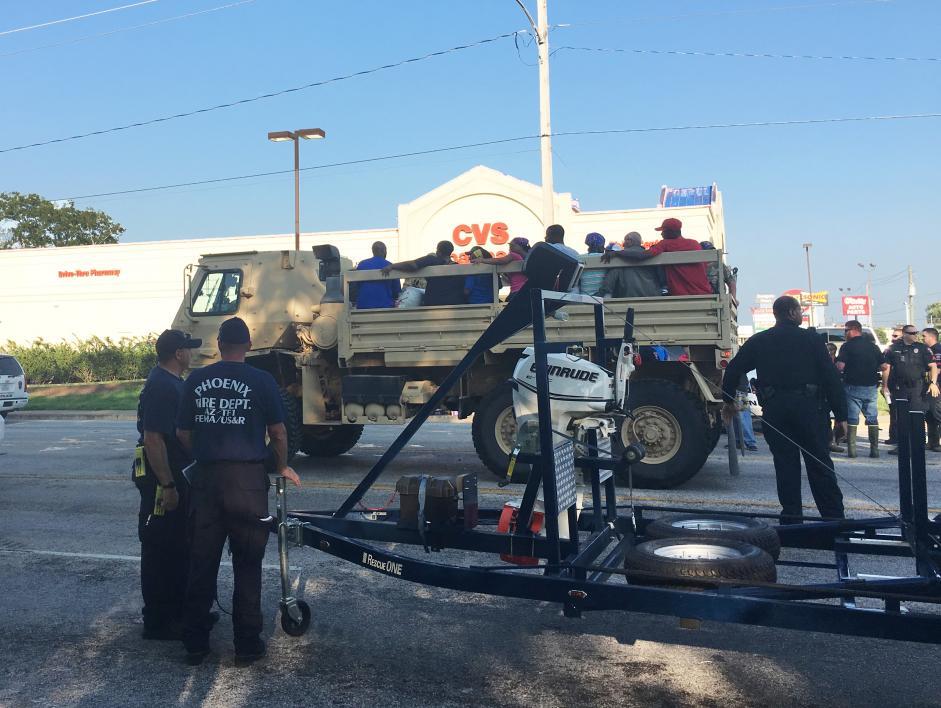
(541, 32)
(869, 269)
(910, 300)
(810, 286)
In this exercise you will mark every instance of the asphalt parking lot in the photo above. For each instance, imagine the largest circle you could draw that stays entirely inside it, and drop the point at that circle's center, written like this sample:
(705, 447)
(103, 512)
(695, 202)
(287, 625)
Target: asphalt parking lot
(69, 599)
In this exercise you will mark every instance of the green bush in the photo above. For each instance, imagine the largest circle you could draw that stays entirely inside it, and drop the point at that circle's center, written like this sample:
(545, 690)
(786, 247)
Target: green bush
(85, 361)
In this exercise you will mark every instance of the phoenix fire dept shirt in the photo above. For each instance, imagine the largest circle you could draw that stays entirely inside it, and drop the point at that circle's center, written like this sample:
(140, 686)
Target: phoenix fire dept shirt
(228, 406)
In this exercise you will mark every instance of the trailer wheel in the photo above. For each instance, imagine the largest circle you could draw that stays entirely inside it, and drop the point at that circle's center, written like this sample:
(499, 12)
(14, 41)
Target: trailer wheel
(494, 429)
(719, 527)
(329, 440)
(296, 629)
(699, 559)
(673, 427)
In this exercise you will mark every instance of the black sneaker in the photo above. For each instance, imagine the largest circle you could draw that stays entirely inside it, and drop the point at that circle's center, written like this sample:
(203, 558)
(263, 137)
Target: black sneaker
(249, 652)
(195, 658)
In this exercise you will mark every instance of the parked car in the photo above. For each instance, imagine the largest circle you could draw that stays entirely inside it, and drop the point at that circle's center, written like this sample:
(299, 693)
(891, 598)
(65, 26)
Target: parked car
(13, 388)
(838, 336)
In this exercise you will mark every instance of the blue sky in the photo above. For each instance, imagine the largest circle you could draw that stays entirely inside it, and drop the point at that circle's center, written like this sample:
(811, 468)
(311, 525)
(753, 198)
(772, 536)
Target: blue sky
(858, 191)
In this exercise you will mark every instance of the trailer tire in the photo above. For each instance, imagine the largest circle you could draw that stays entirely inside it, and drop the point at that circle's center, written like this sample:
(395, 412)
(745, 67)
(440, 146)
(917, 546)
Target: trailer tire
(674, 429)
(494, 429)
(329, 440)
(692, 558)
(720, 527)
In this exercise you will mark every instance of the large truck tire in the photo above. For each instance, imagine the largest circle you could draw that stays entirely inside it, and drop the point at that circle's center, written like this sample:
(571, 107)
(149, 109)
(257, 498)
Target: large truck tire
(494, 429)
(329, 440)
(674, 428)
(699, 559)
(720, 527)
(292, 422)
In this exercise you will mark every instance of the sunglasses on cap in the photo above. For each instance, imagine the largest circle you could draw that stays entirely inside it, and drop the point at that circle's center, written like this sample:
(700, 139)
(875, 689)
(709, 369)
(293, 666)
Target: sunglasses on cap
(912, 332)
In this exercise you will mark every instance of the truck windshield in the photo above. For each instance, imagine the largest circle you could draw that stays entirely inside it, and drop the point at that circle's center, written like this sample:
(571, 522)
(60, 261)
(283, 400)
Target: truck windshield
(218, 293)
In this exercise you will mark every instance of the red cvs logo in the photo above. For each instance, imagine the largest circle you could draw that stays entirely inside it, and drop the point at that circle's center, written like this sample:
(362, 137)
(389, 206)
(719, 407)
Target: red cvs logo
(496, 233)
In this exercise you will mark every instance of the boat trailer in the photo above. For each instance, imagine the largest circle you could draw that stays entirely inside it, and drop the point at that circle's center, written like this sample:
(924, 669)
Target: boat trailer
(582, 568)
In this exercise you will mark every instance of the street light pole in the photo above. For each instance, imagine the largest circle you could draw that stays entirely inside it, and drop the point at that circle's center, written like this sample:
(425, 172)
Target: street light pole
(295, 136)
(541, 32)
(810, 285)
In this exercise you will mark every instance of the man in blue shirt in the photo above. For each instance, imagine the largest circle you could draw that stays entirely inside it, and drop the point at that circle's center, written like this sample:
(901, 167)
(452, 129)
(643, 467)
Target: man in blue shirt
(376, 294)
(555, 236)
(161, 520)
(225, 411)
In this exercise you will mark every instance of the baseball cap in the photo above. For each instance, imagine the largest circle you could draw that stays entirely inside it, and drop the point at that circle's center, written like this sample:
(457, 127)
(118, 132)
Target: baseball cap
(521, 241)
(670, 224)
(172, 339)
(234, 331)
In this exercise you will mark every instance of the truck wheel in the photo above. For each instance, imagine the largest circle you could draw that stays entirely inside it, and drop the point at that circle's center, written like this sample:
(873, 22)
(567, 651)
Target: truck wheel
(715, 434)
(719, 527)
(292, 422)
(494, 429)
(329, 440)
(673, 427)
(699, 559)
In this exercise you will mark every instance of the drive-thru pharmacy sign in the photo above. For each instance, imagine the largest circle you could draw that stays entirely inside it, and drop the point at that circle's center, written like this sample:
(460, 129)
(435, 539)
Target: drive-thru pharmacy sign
(855, 305)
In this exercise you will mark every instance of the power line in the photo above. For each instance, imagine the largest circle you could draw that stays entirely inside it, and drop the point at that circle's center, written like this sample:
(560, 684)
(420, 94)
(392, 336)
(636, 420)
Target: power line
(724, 13)
(450, 148)
(88, 37)
(748, 55)
(273, 94)
(77, 17)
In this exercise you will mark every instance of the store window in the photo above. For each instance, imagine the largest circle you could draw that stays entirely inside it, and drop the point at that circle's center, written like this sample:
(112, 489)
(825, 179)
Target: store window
(218, 293)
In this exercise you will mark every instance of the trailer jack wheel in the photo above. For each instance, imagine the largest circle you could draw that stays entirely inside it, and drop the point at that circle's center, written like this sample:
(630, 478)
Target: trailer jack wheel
(295, 617)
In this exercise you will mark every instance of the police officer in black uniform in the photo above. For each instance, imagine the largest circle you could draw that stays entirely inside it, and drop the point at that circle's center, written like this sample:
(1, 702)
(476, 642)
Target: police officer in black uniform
(225, 411)
(798, 386)
(161, 523)
(930, 337)
(906, 364)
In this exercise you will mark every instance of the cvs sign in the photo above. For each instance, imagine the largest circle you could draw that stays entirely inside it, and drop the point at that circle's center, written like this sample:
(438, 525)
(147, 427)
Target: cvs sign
(496, 233)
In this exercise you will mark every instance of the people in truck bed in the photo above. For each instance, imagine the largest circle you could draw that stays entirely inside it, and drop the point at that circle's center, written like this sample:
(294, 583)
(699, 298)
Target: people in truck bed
(519, 247)
(636, 281)
(439, 290)
(478, 288)
(376, 294)
(682, 279)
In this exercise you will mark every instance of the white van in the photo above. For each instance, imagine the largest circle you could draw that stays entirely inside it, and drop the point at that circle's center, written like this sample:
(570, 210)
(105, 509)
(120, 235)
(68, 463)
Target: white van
(13, 389)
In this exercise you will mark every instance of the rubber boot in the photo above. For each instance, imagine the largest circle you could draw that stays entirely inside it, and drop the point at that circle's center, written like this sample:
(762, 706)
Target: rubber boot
(934, 439)
(851, 440)
(874, 441)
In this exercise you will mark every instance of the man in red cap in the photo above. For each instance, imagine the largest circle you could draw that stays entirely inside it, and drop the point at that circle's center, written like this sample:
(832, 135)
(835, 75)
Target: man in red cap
(682, 279)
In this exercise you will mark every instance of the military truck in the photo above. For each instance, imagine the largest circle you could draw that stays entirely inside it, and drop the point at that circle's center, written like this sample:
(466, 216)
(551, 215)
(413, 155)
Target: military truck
(341, 369)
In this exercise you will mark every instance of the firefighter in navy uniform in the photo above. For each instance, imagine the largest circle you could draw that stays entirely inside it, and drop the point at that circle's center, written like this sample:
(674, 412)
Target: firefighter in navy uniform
(225, 411)
(907, 362)
(158, 476)
(798, 386)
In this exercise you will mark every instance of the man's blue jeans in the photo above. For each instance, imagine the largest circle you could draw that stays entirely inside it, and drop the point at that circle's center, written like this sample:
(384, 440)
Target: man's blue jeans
(861, 399)
(748, 432)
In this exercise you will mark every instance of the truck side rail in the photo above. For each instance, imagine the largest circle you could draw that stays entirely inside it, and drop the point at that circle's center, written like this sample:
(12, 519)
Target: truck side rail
(438, 335)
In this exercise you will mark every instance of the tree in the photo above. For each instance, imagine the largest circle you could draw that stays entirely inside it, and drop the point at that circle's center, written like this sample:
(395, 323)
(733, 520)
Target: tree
(933, 313)
(29, 221)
